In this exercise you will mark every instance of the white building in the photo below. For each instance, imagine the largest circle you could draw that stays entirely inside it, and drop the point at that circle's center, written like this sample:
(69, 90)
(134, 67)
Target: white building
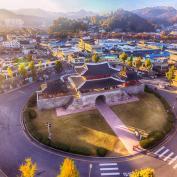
(14, 44)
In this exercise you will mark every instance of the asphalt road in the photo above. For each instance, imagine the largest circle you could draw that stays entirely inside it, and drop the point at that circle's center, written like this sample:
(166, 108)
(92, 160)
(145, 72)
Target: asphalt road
(15, 147)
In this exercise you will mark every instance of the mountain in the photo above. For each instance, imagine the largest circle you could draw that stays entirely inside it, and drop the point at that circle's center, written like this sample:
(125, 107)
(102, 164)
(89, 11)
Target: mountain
(11, 19)
(160, 15)
(128, 22)
(54, 15)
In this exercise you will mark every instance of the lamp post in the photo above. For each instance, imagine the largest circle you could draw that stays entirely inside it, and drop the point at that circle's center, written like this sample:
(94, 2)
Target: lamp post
(49, 130)
(90, 169)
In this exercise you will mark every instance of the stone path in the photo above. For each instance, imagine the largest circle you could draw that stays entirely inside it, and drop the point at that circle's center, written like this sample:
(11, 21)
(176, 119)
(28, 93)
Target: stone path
(127, 138)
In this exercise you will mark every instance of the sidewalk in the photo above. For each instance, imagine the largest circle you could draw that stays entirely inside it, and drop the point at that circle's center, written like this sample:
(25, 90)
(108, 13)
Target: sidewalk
(123, 133)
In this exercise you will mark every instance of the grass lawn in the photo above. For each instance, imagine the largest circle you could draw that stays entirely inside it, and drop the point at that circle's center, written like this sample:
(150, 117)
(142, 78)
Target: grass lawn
(148, 114)
(85, 131)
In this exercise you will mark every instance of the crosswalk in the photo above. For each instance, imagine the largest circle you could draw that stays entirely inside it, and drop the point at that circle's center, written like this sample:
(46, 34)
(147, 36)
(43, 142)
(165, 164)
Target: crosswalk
(163, 153)
(167, 155)
(109, 169)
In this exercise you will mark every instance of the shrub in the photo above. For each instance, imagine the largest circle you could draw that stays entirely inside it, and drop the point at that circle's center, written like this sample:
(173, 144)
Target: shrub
(30, 113)
(81, 151)
(148, 172)
(32, 102)
(156, 135)
(101, 151)
(152, 139)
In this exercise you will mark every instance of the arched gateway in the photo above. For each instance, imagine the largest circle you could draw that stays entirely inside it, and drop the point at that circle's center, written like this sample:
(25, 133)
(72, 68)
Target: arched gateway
(100, 99)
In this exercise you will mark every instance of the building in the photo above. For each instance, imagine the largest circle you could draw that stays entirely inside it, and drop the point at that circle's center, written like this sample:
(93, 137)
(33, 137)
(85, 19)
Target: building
(14, 44)
(91, 82)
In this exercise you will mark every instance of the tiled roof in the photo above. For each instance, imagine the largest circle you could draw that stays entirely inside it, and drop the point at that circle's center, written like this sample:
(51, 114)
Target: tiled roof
(99, 69)
(55, 87)
(99, 84)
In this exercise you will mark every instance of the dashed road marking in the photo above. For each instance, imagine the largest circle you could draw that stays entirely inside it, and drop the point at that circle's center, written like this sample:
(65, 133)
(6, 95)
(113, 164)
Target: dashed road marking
(172, 160)
(168, 157)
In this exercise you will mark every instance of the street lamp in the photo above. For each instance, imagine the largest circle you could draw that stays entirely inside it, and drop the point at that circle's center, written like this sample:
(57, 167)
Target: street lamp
(90, 169)
(49, 130)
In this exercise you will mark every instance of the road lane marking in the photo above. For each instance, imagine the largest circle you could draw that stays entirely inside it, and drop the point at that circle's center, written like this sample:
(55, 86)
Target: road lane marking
(175, 166)
(172, 160)
(106, 169)
(169, 156)
(159, 150)
(110, 174)
(161, 155)
(107, 164)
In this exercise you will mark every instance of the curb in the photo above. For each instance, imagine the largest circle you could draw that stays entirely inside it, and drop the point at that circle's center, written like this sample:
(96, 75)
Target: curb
(61, 153)
(68, 154)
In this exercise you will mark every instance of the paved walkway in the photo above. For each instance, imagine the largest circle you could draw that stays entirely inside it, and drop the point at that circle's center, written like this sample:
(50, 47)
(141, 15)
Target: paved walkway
(128, 139)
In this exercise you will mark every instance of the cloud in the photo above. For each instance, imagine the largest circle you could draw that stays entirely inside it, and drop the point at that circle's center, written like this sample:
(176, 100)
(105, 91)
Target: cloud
(43, 4)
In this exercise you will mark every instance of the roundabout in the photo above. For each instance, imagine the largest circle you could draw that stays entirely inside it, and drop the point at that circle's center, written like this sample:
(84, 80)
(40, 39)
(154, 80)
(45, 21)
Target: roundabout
(15, 147)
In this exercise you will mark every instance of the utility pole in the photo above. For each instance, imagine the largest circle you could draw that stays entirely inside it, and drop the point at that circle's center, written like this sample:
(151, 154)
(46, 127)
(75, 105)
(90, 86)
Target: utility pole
(90, 169)
(49, 130)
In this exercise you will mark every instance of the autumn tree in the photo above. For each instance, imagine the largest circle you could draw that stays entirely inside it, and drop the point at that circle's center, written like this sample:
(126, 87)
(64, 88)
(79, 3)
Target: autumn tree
(138, 62)
(148, 64)
(58, 66)
(28, 168)
(95, 58)
(32, 68)
(123, 57)
(68, 169)
(2, 78)
(10, 72)
(170, 74)
(148, 172)
(22, 70)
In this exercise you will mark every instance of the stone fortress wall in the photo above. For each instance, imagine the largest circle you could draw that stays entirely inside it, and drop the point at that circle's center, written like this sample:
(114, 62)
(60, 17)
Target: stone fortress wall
(88, 100)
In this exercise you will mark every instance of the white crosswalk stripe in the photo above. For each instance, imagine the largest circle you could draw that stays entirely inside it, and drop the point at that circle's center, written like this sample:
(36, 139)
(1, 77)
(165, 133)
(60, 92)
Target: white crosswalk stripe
(163, 147)
(109, 169)
(105, 169)
(172, 160)
(167, 156)
(162, 154)
(107, 164)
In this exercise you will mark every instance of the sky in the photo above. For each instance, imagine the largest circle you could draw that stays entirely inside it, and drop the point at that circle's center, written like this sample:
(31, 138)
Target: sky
(93, 5)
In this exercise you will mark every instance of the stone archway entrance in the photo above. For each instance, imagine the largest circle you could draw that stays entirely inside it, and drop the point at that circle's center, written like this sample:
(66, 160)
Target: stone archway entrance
(100, 99)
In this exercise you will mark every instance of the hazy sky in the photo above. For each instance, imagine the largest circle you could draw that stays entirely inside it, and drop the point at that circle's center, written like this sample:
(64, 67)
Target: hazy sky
(94, 5)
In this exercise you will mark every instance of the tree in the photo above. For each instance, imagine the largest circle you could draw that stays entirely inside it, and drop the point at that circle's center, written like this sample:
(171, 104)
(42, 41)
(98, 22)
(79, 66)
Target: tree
(32, 68)
(28, 168)
(22, 70)
(123, 57)
(148, 64)
(130, 63)
(95, 58)
(29, 57)
(68, 169)
(40, 66)
(148, 172)
(2, 78)
(138, 62)
(170, 74)
(58, 66)
(9, 72)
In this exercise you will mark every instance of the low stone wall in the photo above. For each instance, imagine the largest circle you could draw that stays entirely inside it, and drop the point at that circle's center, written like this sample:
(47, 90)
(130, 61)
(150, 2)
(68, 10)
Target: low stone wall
(134, 90)
(54, 102)
(111, 97)
(89, 100)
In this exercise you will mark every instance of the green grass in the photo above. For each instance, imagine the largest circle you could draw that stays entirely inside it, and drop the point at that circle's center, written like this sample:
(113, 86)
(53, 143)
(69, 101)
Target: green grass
(148, 114)
(86, 130)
